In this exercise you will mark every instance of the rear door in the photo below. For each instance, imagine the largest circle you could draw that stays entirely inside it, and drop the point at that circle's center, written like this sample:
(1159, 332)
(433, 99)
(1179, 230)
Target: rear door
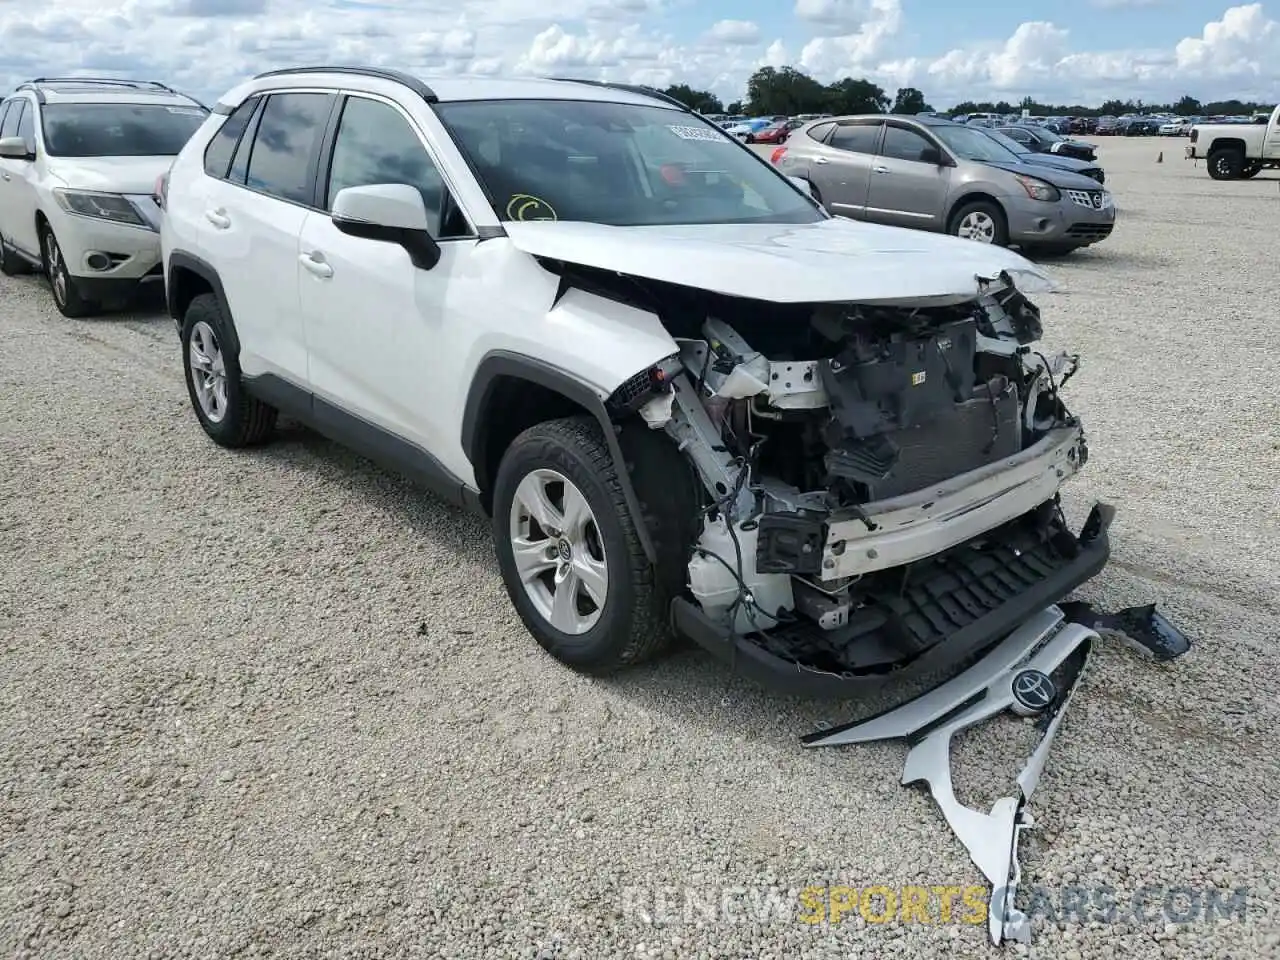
(253, 222)
(908, 187)
(842, 167)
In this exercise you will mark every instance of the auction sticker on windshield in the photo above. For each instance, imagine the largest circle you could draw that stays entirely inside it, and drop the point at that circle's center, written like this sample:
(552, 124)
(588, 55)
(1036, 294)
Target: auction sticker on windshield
(698, 133)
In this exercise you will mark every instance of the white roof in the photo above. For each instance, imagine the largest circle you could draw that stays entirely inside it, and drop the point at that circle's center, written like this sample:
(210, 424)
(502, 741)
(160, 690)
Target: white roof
(450, 88)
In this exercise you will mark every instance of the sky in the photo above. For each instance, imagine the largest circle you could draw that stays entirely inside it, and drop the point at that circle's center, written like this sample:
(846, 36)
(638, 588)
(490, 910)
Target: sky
(1085, 51)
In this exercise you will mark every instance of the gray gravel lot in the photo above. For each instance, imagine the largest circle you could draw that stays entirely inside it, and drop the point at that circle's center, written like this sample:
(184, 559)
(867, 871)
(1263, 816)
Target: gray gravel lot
(277, 703)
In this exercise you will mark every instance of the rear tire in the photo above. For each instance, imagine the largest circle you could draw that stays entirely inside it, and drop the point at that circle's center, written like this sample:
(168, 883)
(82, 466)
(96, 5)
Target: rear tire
(570, 552)
(981, 221)
(229, 415)
(1226, 164)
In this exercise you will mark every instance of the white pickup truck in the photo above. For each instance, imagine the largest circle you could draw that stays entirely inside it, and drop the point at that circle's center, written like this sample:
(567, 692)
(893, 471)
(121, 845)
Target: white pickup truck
(1237, 150)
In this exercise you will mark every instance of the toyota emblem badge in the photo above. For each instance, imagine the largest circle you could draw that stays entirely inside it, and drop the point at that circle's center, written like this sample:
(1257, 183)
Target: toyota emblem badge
(1033, 692)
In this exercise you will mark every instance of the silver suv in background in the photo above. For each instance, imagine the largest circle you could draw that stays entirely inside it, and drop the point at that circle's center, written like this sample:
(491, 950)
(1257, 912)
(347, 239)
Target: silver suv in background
(947, 177)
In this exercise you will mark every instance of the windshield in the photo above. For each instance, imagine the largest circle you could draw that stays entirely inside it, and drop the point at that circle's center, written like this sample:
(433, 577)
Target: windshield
(973, 144)
(617, 164)
(118, 129)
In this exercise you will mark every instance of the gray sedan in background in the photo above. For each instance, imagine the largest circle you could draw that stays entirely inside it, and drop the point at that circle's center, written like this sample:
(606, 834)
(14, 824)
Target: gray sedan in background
(947, 177)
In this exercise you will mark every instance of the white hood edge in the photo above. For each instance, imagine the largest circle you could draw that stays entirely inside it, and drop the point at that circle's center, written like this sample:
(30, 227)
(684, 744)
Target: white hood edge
(834, 260)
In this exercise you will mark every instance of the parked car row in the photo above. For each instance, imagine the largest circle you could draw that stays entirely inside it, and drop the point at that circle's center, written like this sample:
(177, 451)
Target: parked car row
(583, 312)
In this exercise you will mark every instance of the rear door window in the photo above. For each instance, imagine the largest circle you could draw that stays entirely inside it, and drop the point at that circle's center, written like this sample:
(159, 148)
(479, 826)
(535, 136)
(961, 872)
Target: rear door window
(285, 148)
(855, 137)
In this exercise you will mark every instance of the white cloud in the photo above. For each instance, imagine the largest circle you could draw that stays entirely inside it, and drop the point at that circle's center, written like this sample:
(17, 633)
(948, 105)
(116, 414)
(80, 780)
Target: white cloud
(206, 46)
(741, 32)
(848, 50)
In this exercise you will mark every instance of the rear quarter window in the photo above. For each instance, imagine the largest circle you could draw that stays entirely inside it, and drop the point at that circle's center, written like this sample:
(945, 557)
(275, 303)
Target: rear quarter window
(217, 155)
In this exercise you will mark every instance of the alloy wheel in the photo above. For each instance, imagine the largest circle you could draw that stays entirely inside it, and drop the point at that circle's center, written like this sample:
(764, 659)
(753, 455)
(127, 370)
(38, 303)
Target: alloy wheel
(57, 268)
(208, 372)
(977, 226)
(558, 551)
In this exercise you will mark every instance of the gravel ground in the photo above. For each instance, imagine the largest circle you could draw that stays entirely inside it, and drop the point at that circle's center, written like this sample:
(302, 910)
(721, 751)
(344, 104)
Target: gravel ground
(277, 703)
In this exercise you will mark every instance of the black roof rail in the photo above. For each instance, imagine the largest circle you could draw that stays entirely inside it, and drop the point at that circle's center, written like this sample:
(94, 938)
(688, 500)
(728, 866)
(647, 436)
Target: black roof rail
(637, 88)
(395, 76)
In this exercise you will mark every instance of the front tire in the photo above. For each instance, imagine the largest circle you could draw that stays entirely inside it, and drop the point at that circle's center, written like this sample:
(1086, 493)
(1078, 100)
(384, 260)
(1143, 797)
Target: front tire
(981, 221)
(1226, 164)
(569, 550)
(229, 415)
(67, 297)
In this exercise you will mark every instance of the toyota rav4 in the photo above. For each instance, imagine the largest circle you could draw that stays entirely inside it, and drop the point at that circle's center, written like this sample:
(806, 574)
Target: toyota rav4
(690, 400)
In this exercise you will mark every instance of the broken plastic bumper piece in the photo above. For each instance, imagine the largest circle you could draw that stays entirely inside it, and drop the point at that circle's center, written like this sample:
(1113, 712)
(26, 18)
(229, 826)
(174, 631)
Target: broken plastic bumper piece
(1033, 672)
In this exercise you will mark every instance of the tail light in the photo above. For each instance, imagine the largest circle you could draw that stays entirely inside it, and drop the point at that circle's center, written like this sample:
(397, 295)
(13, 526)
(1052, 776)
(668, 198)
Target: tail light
(777, 155)
(1195, 134)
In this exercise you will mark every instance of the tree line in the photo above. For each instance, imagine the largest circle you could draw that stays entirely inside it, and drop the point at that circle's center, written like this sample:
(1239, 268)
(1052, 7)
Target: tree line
(786, 90)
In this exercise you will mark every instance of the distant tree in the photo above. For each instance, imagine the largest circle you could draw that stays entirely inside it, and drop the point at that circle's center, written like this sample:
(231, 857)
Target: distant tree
(704, 101)
(909, 100)
(1187, 107)
(856, 96)
(786, 90)
(734, 108)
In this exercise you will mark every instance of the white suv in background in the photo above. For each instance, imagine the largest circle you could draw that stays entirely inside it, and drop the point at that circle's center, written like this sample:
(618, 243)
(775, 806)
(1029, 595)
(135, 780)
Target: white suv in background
(79, 163)
(687, 397)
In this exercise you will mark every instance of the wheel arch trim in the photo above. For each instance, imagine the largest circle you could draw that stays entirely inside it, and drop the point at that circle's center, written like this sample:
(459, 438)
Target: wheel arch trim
(504, 364)
(178, 260)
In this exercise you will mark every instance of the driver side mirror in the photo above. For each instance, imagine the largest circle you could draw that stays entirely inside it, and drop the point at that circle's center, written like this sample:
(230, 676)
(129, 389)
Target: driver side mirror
(15, 148)
(389, 213)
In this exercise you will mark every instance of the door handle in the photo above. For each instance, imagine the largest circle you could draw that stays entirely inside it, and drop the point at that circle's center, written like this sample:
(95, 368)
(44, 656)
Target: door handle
(880, 169)
(6, 176)
(314, 262)
(218, 218)
(821, 160)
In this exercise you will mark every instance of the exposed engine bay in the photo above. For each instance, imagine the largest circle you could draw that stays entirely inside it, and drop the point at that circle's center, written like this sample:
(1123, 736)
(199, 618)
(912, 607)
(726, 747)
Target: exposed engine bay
(878, 478)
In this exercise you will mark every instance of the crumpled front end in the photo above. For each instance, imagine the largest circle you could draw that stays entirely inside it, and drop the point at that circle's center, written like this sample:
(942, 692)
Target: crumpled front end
(881, 481)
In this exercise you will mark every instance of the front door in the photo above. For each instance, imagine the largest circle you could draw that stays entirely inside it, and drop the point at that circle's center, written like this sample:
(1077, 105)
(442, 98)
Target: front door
(908, 187)
(380, 348)
(18, 180)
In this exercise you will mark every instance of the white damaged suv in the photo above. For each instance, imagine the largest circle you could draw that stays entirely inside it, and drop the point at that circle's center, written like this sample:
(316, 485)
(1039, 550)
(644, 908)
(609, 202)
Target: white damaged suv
(79, 161)
(691, 401)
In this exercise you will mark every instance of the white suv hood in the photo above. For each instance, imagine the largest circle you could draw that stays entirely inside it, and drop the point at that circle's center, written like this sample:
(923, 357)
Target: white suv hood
(134, 175)
(831, 260)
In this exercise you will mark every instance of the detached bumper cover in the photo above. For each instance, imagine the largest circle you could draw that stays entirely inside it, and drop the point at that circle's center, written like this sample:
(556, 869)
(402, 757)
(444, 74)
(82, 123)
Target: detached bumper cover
(1043, 659)
(1033, 672)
